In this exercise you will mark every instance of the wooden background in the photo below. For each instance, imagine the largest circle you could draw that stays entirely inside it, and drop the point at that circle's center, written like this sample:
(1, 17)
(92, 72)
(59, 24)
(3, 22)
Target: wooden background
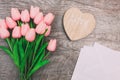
(107, 32)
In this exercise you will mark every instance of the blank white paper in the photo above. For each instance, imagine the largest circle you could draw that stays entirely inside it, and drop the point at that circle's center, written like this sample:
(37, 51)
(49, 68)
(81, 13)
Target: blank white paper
(97, 63)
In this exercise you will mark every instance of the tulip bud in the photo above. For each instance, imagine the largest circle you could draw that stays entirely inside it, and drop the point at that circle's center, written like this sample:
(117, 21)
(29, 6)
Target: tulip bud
(25, 17)
(3, 23)
(10, 22)
(40, 29)
(52, 45)
(4, 33)
(48, 30)
(16, 33)
(30, 35)
(38, 18)
(48, 19)
(24, 29)
(15, 14)
(34, 11)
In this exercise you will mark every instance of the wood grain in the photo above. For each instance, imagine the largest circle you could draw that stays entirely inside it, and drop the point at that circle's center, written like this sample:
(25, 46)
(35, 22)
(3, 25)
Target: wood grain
(107, 32)
(77, 24)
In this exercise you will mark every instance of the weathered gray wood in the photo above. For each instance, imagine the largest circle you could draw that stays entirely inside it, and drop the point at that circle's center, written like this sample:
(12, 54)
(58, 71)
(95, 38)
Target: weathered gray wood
(107, 32)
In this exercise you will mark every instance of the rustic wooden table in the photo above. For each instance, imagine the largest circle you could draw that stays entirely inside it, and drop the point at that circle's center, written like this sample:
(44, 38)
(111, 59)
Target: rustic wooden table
(107, 32)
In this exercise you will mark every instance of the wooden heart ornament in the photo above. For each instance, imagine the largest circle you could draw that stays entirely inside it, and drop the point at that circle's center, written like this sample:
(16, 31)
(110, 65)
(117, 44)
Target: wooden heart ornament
(77, 24)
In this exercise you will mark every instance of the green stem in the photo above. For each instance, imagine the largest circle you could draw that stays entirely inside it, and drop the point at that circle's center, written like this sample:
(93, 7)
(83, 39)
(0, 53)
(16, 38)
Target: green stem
(33, 64)
(18, 22)
(26, 47)
(29, 71)
(8, 41)
(30, 68)
(34, 53)
(46, 55)
(26, 58)
(32, 25)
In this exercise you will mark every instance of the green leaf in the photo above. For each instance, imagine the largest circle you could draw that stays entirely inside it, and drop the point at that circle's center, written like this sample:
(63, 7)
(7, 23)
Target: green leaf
(30, 48)
(20, 23)
(29, 54)
(13, 57)
(38, 42)
(22, 55)
(42, 56)
(12, 42)
(7, 51)
(32, 24)
(21, 50)
(39, 53)
(9, 43)
(37, 66)
(38, 56)
(24, 41)
(16, 53)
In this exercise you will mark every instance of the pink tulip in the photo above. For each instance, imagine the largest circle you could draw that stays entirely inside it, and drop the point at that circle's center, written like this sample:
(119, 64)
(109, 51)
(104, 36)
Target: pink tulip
(25, 17)
(52, 45)
(38, 18)
(3, 23)
(16, 32)
(48, 30)
(24, 29)
(41, 27)
(34, 11)
(4, 33)
(10, 22)
(49, 18)
(30, 35)
(15, 14)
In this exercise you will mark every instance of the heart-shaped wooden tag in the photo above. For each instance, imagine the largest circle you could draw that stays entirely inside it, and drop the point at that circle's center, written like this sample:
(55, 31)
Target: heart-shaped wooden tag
(77, 24)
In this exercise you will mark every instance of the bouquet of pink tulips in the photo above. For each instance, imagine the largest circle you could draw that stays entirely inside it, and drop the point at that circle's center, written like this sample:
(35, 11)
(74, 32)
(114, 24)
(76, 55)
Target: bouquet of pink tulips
(25, 34)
